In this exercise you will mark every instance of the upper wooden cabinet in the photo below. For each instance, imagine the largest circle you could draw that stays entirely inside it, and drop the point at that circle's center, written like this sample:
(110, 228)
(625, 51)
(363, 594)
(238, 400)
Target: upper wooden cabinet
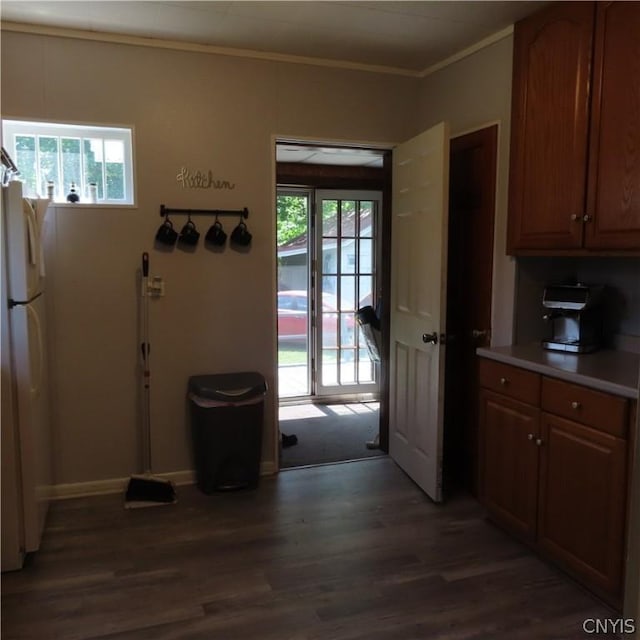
(575, 130)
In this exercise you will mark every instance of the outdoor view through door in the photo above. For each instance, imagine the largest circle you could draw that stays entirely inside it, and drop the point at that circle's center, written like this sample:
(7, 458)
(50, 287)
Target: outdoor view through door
(327, 256)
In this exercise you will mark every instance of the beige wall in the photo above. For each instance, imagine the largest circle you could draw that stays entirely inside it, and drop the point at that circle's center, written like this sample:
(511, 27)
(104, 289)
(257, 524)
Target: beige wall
(470, 94)
(188, 109)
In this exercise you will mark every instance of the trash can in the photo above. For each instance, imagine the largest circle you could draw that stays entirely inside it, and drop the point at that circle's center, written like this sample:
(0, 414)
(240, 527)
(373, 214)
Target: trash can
(226, 427)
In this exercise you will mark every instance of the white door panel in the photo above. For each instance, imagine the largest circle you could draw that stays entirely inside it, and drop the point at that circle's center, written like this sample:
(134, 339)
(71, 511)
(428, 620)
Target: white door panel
(419, 237)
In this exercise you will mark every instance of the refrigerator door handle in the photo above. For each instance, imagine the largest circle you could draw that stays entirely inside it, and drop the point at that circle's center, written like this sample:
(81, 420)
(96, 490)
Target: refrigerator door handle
(17, 303)
(32, 232)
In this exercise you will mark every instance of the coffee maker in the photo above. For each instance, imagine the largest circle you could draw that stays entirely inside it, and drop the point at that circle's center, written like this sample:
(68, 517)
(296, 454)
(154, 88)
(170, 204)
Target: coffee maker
(574, 317)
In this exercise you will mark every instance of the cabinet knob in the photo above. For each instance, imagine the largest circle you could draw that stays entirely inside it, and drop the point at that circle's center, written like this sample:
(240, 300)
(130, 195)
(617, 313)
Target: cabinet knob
(504, 382)
(575, 405)
(539, 442)
(530, 436)
(574, 217)
(586, 217)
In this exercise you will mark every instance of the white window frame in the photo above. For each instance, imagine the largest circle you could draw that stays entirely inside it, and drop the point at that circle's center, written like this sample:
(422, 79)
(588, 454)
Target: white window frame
(13, 127)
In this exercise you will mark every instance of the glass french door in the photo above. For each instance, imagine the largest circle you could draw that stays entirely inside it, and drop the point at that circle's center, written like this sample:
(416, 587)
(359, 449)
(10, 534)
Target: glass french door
(343, 281)
(295, 294)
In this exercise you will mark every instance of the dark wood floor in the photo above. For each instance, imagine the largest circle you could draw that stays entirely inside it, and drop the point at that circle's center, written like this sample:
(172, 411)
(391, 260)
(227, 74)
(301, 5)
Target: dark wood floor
(338, 552)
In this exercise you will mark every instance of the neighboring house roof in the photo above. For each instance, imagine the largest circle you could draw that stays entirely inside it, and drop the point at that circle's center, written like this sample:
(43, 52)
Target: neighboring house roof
(300, 243)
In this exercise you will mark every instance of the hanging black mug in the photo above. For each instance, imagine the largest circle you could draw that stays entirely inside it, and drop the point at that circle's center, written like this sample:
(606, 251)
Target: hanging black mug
(166, 234)
(189, 234)
(241, 236)
(216, 234)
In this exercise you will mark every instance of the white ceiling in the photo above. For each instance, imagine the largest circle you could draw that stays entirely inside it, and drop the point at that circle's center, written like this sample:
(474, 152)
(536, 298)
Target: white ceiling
(409, 36)
(405, 37)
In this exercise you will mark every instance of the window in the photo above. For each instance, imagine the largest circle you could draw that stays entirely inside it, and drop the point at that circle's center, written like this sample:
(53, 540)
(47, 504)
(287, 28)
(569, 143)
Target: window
(62, 154)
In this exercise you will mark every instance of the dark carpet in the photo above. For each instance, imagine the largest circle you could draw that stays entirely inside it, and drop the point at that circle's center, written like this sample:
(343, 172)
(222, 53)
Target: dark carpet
(328, 433)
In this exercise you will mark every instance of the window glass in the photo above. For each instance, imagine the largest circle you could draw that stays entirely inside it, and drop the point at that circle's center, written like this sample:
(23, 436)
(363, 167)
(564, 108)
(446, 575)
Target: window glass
(66, 154)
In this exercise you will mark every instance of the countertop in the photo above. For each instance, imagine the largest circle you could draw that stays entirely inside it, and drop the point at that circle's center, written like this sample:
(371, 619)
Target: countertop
(606, 370)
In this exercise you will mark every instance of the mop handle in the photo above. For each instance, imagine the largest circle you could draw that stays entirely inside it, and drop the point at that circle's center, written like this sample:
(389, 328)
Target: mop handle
(146, 372)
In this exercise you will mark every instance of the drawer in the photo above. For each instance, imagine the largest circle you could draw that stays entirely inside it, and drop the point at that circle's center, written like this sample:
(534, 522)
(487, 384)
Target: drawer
(510, 381)
(596, 409)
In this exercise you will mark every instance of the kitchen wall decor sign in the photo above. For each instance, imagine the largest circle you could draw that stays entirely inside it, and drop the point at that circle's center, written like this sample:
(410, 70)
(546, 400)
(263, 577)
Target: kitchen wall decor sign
(201, 180)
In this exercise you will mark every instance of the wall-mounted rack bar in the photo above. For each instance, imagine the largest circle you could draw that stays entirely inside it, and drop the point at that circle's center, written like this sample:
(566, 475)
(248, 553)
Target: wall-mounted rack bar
(166, 211)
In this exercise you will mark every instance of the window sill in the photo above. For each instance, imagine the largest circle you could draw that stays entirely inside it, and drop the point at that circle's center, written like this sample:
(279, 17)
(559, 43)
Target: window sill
(91, 205)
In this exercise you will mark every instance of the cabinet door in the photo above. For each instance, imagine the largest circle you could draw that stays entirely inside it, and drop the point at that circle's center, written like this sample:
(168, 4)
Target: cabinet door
(614, 165)
(582, 500)
(549, 127)
(509, 462)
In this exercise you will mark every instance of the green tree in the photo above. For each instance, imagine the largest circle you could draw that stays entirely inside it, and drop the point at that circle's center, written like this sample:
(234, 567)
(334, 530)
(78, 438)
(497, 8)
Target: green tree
(292, 216)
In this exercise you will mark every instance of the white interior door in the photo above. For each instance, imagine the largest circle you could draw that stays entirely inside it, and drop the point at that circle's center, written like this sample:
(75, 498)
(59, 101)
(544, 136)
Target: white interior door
(418, 306)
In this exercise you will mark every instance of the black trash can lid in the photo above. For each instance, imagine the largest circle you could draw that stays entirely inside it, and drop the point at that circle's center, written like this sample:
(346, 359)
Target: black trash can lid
(228, 387)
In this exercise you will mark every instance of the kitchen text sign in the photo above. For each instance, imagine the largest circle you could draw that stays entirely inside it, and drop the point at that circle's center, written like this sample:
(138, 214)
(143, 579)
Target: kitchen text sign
(201, 180)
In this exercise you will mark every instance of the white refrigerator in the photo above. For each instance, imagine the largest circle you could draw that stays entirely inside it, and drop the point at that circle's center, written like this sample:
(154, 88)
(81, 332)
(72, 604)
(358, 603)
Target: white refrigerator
(26, 431)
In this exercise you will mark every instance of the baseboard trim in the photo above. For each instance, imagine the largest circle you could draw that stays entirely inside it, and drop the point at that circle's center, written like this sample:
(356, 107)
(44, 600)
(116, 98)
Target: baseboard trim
(118, 485)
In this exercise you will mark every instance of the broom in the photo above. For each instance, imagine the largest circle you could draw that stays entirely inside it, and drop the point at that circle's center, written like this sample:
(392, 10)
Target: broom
(147, 490)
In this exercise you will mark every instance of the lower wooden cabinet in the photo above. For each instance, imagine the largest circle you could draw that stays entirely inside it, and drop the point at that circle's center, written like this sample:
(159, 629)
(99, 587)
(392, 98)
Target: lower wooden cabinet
(582, 500)
(509, 462)
(558, 484)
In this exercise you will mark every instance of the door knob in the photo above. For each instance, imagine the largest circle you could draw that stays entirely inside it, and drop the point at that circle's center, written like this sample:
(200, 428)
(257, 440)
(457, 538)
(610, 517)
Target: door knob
(430, 338)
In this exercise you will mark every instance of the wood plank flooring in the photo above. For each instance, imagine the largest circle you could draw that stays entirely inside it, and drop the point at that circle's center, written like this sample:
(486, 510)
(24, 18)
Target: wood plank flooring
(338, 552)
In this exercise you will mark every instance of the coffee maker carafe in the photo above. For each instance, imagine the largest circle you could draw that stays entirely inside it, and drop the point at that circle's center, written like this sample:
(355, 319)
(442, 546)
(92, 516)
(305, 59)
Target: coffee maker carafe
(574, 317)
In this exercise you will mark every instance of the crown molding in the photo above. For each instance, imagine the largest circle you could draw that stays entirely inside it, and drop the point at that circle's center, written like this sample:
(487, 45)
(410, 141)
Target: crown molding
(474, 48)
(178, 45)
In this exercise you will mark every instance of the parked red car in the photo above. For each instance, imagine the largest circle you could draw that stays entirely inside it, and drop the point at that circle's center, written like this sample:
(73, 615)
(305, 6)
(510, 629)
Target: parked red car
(293, 322)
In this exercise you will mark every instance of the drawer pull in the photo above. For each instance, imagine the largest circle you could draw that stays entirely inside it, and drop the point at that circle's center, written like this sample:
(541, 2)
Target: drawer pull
(575, 405)
(504, 382)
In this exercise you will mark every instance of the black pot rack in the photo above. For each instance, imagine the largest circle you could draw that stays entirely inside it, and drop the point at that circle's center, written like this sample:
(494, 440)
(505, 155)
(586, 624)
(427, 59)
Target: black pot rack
(166, 211)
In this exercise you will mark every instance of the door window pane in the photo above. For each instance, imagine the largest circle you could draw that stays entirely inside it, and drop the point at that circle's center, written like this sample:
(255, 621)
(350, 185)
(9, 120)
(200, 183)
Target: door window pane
(330, 218)
(348, 218)
(347, 367)
(348, 256)
(329, 290)
(347, 329)
(366, 219)
(366, 291)
(365, 367)
(329, 329)
(348, 293)
(366, 256)
(329, 368)
(329, 255)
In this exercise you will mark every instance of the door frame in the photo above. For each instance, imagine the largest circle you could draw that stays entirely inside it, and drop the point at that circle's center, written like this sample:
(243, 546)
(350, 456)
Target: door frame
(351, 178)
(466, 448)
(320, 176)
